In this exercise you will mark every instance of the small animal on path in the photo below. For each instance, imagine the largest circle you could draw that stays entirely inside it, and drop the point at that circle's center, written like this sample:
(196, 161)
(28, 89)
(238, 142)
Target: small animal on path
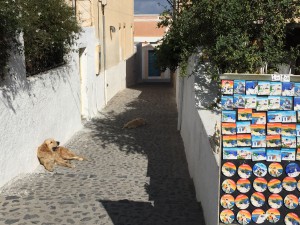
(50, 154)
(137, 122)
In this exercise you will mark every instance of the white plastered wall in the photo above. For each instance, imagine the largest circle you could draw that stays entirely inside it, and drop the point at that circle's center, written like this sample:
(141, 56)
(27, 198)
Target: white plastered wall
(196, 126)
(33, 109)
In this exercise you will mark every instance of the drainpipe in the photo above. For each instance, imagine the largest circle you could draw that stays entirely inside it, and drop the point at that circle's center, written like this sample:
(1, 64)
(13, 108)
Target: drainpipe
(103, 4)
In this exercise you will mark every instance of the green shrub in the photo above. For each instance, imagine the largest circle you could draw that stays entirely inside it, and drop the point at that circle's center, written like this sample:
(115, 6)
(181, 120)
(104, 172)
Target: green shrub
(50, 29)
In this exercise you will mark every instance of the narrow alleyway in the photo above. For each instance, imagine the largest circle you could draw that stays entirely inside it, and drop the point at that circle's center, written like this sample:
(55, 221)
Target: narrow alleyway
(133, 177)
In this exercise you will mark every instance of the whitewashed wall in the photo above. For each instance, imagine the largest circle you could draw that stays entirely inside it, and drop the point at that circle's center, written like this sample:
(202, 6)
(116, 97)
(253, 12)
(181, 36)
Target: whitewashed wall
(33, 109)
(197, 125)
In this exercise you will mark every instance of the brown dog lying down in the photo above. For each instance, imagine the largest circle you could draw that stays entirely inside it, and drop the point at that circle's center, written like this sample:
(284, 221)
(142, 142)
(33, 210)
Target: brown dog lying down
(137, 122)
(50, 153)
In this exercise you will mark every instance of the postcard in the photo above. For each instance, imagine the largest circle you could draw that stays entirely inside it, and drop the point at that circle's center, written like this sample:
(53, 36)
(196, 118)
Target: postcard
(250, 101)
(288, 141)
(298, 154)
(274, 117)
(263, 88)
(288, 154)
(239, 101)
(243, 127)
(259, 118)
(243, 140)
(288, 89)
(273, 128)
(259, 154)
(297, 89)
(298, 116)
(298, 142)
(273, 155)
(244, 114)
(273, 141)
(227, 102)
(298, 129)
(275, 88)
(229, 141)
(262, 103)
(296, 103)
(228, 128)
(229, 116)
(251, 87)
(288, 117)
(244, 153)
(258, 141)
(288, 129)
(229, 153)
(239, 87)
(258, 129)
(227, 87)
(286, 103)
(274, 102)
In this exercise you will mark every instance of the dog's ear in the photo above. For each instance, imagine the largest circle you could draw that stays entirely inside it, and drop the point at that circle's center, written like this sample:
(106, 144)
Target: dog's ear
(44, 147)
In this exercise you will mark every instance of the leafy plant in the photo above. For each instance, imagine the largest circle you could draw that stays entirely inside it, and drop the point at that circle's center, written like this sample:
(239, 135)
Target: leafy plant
(9, 30)
(234, 35)
(50, 29)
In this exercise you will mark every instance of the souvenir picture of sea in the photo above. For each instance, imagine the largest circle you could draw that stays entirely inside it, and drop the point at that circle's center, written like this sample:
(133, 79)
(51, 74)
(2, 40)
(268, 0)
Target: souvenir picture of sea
(297, 89)
(288, 117)
(243, 127)
(243, 153)
(229, 141)
(229, 116)
(288, 129)
(251, 87)
(239, 87)
(273, 102)
(288, 154)
(273, 155)
(296, 103)
(229, 153)
(286, 103)
(250, 101)
(243, 140)
(297, 129)
(262, 103)
(239, 101)
(275, 88)
(273, 128)
(298, 116)
(227, 87)
(227, 102)
(263, 88)
(244, 114)
(298, 142)
(258, 129)
(274, 117)
(259, 118)
(273, 141)
(298, 154)
(288, 141)
(288, 89)
(228, 128)
(258, 154)
(259, 141)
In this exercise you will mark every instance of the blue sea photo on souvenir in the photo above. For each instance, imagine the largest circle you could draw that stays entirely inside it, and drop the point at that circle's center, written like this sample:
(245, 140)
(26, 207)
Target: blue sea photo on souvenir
(239, 87)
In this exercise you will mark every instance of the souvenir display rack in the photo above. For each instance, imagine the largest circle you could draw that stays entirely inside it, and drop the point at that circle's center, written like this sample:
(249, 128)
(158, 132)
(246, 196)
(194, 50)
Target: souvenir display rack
(260, 154)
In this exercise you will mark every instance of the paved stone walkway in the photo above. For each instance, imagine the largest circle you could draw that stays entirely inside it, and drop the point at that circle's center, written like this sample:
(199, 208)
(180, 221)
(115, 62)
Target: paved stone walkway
(133, 177)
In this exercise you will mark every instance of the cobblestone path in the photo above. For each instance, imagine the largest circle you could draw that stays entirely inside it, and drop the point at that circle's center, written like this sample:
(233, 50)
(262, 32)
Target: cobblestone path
(133, 177)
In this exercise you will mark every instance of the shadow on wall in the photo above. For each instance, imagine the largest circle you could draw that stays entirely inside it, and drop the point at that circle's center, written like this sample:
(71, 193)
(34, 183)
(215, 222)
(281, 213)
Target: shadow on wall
(131, 70)
(206, 89)
(15, 82)
(170, 189)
